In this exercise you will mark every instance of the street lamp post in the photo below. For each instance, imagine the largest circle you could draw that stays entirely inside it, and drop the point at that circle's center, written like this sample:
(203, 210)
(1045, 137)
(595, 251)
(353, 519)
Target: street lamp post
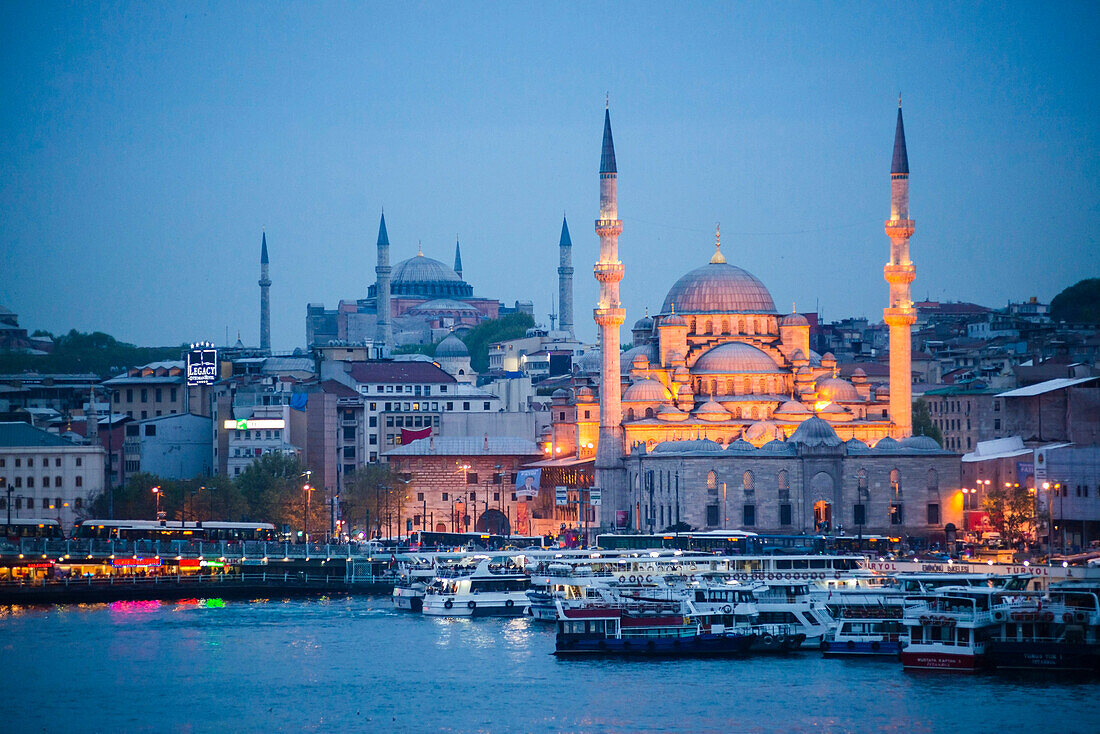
(156, 494)
(307, 489)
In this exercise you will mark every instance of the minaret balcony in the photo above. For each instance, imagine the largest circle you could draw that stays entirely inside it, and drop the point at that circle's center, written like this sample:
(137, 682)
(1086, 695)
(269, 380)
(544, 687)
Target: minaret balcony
(900, 228)
(899, 316)
(609, 316)
(899, 274)
(609, 227)
(608, 272)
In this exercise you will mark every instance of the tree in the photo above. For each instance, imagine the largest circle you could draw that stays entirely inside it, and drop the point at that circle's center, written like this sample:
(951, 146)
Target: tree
(922, 422)
(1079, 304)
(273, 486)
(1011, 510)
(94, 352)
(478, 339)
(373, 491)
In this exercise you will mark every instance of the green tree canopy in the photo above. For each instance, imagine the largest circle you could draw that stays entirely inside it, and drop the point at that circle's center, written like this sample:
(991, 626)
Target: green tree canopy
(478, 339)
(922, 422)
(1011, 510)
(1080, 303)
(374, 499)
(96, 353)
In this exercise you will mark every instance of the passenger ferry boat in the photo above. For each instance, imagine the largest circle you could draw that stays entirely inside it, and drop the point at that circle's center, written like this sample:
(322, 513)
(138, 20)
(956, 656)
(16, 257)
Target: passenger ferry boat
(790, 603)
(642, 629)
(408, 592)
(489, 590)
(1061, 632)
(948, 629)
(731, 606)
(866, 622)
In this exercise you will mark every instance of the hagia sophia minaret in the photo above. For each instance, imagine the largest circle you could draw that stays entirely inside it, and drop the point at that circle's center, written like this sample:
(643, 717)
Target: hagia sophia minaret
(900, 314)
(565, 279)
(383, 325)
(265, 298)
(458, 259)
(609, 314)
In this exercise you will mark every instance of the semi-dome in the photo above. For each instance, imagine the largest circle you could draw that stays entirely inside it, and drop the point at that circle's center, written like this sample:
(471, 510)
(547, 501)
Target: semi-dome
(451, 348)
(719, 287)
(672, 319)
(794, 319)
(447, 305)
(671, 413)
(626, 359)
(815, 432)
(735, 357)
(762, 432)
(646, 391)
(836, 388)
(793, 409)
(920, 443)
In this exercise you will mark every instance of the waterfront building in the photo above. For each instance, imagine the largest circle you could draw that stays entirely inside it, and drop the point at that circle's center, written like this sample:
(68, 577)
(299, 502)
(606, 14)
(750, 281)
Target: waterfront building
(465, 484)
(46, 476)
(171, 446)
(154, 389)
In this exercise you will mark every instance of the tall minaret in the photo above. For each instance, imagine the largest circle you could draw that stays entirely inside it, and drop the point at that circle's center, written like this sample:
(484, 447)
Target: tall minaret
(383, 333)
(899, 272)
(609, 314)
(458, 259)
(565, 276)
(265, 299)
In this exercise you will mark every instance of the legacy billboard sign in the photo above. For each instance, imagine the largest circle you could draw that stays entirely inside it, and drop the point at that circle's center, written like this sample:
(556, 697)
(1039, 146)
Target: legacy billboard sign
(202, 364)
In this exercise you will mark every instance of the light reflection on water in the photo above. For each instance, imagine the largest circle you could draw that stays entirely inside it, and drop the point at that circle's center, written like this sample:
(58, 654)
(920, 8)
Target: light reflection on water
(356, 664)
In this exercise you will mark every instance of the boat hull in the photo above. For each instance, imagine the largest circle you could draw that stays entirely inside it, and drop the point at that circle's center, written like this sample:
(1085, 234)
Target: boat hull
(408, 601)
(480, 609)
(832, 648)
(936, 660)
(696, 646)
(1043, 656)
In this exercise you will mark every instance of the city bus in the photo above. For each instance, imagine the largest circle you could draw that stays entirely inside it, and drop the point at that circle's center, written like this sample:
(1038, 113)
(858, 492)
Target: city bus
(171, 530)
(30, 528)
(428, 540)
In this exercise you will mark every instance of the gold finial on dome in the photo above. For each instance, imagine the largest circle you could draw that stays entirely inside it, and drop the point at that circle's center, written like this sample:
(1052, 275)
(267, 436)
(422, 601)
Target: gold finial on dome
(717, 258)
(419, 249)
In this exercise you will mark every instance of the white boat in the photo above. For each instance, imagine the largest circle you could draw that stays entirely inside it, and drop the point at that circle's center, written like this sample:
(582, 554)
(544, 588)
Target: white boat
(865, 622)
(408, 592)
(490, 589)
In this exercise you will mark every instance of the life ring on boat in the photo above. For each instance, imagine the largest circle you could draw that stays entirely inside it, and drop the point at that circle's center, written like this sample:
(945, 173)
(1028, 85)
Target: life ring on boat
(694, 567)
(471, 604)
(622, 579)
(998, 616)
(509, 603)
(851, 645)
(448, 604)
(1048, 616)
(768, 640)
(825, 646)
(1067, 617)
(727, 609)
(836, 574)
(875, 646)
(1079, 616)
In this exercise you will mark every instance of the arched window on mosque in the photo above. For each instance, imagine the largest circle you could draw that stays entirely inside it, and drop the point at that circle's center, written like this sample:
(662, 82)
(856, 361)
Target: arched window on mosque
(630, 414)
(713, 388)
(748, 482)
(784, 482)
(861, 481)
(729, 387)
(754, 413)
(895, 483)
(709, 327)
(740, 326)
(725, 326)
(736, 412)
(759, 327)
(933, 481)
(691, 325)
(649, 412)
(712, 480)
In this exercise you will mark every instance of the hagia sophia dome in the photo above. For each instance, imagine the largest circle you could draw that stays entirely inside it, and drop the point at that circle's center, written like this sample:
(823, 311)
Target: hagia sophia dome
(427, 277)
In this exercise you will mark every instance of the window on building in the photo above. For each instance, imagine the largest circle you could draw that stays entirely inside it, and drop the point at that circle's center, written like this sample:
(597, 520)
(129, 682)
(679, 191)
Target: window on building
(896, 514)
(996, 424)
(30, 481)
(30, 461)
(712, 516)
(129, 395)
(78, 502)
(389, 421)
(485, 405)
(748, 483)
(57, 481)
(933, 480)
(30, 503)
(444, 497)
(465, 405)
(151, 430)
(144, 394)
(18, 482)
(933, 513)
(712, 482)
(372, 439)
(80, 481)
(895, 483)
(373, 421)
(158, 395)
(748, 515)
(785, 514)
(132, 430)
(57, 502)
(19, 503)
(859, 514)
(419, 496)
(471, 478)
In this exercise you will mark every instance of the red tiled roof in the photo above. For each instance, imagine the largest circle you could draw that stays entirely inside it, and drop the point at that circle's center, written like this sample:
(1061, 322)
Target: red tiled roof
(339, 389)
(398, 372)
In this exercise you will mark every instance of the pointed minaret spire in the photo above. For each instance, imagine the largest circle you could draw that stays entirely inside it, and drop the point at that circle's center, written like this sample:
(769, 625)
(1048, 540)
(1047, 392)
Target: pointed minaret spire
(383, 333)
(900, 164)
(565, 279)
(265, 298)
(607, 155)
(458, 258)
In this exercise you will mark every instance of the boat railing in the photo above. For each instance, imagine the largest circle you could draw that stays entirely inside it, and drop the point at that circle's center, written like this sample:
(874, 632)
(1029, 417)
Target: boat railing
(956, 609)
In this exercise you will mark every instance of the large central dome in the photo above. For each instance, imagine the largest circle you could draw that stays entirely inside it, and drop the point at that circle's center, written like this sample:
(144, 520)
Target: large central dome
(719, 287)
(421, 269)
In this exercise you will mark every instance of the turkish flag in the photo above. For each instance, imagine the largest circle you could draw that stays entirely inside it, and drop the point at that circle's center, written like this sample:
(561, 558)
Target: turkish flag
(407, 435)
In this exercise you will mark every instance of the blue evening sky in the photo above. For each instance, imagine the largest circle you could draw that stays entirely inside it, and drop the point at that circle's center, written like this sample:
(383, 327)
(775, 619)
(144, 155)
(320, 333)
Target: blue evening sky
(144, 146)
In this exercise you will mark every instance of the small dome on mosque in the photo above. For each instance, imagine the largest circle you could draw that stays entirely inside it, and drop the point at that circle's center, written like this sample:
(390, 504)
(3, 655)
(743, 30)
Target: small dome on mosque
(858, 372)
(920, 443)
(835, 388)
(831, 409)
(815, 432)
(681, 374)
(671, 413)
(644, 324)
(854, 445)
(828, 359)
(778, 446)
(585, 394)
(560, 394)
(711, 411)
(762, 432)
(792, 410)
(672, 319)
(887, 444)
(740, 446)
(628, 358)
(452, 347)
(735, 357)
(590, 361)
(794, 319)
(646, 391)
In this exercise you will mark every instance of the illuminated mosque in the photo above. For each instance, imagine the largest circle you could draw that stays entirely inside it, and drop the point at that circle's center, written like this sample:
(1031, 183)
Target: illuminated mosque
(720, 380)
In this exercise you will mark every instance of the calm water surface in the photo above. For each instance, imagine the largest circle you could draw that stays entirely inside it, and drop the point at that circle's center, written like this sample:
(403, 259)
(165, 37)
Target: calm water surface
(356, 665)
